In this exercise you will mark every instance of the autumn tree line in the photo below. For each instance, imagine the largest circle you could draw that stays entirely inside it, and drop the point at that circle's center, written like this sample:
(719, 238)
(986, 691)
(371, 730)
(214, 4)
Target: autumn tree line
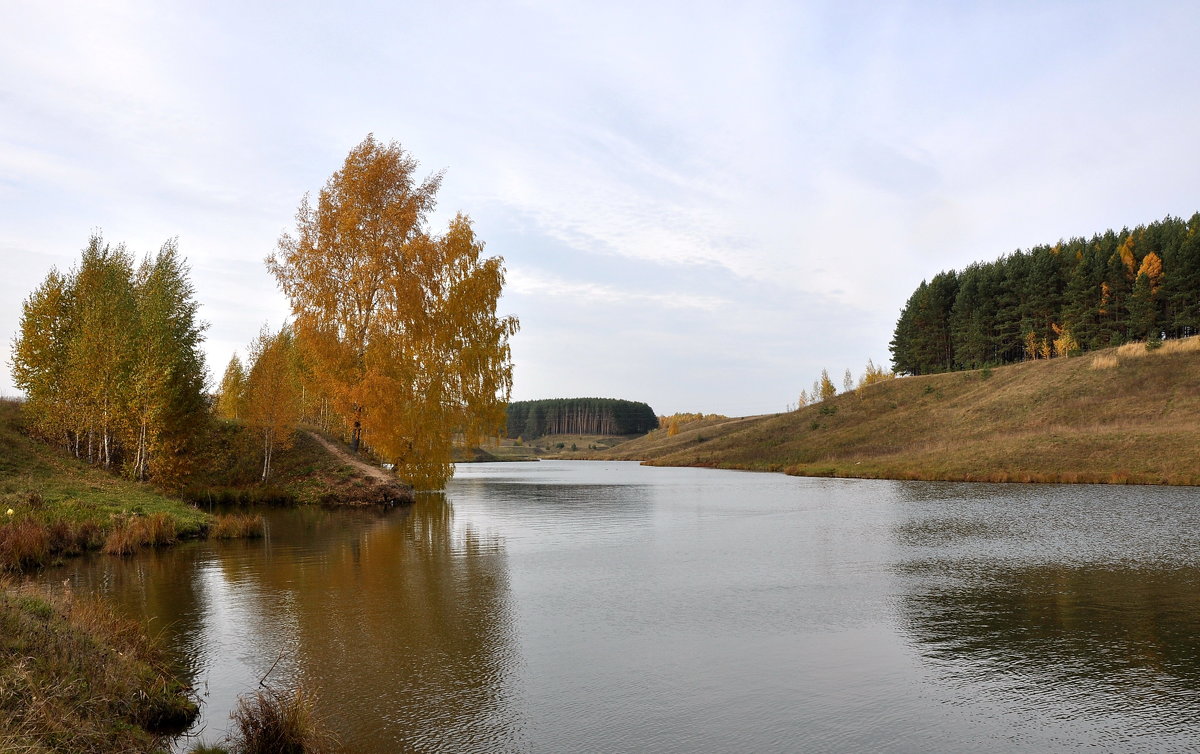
(1055, 300)
(579, 416)
(394, 342)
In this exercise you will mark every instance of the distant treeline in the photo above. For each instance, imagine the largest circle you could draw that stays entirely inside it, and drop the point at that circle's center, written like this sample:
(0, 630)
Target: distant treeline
(1058, 300)
(579, 416)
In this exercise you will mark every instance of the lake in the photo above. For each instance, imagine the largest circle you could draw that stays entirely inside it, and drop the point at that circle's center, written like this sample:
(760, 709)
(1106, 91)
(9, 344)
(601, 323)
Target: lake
(605, 606)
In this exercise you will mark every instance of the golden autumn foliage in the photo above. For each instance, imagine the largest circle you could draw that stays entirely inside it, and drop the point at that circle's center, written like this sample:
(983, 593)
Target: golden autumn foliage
(1127, 257)
(231, 399)
(1152, 268)
(872, 375)
(827, 388)
(273, 392)
(397, 324)
(1065, 344)
(679, 419)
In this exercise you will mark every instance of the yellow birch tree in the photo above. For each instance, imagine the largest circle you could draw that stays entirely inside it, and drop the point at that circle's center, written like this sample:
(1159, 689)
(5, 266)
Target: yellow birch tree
(397, 325)
(827, 388)
(273, 393)
(232, 397)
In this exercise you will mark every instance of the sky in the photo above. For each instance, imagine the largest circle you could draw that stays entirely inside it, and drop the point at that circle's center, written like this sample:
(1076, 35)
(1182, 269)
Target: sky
(699, 205)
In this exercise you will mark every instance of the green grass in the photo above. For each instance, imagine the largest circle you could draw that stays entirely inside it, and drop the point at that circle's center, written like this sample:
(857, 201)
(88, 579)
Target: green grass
(52, 504)
(1125, 415)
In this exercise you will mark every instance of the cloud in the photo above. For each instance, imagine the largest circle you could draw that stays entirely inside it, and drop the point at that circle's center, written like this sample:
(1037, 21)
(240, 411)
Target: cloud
(536, 284)
(750, 193)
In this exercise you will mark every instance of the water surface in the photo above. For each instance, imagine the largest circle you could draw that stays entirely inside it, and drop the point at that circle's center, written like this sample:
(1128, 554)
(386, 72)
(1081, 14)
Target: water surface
(603, 606)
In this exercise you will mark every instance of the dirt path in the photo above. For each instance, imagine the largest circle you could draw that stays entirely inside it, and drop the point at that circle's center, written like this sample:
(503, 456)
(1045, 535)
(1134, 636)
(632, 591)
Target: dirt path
(349, 460)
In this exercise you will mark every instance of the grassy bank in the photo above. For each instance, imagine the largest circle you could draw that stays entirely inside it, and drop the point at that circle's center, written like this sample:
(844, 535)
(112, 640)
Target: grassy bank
(77, 678)
(52, 504)
(1125, 415)
(306, 473)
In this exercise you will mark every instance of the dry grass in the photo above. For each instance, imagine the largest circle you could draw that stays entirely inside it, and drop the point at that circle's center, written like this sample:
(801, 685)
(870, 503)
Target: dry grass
(1181, 345)
(1139, 349)
(275, 721)
(23, 544)
(28, 542)
(237, 526)
(79, 678)
(1132, 350)
(1136, 421)
(132, 533)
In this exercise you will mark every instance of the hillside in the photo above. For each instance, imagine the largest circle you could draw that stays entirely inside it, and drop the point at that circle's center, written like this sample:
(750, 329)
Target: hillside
(42, 481)
(314, 470)
(1124, 415)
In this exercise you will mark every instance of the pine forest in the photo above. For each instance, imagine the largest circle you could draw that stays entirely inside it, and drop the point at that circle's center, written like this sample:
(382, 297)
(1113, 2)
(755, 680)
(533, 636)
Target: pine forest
(579, 416)
(1056, 300)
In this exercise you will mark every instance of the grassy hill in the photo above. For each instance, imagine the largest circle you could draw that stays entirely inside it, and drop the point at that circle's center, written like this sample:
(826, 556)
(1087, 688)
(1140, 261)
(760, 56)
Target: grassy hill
(44, 483)
(1125, 415)
(308, 472)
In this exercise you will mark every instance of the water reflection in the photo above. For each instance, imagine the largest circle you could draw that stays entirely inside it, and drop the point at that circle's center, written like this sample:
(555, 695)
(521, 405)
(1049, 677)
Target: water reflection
(1103, 626)
(1071, 614)
(612, 607)
(400, 620)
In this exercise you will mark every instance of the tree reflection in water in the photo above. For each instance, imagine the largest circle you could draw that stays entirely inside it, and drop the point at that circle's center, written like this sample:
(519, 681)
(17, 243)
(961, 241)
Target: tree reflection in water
(372, 610)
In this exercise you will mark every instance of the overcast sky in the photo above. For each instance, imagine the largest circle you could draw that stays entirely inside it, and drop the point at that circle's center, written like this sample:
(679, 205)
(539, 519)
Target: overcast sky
(700, 205)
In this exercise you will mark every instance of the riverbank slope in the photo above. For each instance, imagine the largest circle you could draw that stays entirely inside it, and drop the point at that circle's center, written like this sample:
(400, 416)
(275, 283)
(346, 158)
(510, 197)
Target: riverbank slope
(75, 677)
(315, 469)
(52, 503)
(1123, 415)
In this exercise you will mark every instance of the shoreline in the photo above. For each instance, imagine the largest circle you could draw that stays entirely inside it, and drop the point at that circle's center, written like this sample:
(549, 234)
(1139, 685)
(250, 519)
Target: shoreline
(997, 477)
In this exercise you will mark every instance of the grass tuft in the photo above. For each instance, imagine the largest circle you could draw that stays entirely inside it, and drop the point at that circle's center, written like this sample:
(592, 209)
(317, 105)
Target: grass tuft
(24, 544)
(131, 533)
(237, 526)
(274, 721)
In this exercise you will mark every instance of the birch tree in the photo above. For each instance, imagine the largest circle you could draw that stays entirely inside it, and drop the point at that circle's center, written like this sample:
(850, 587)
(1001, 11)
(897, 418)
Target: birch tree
(110, 361)
(232, 396)
(273, 393)
(398, 325)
